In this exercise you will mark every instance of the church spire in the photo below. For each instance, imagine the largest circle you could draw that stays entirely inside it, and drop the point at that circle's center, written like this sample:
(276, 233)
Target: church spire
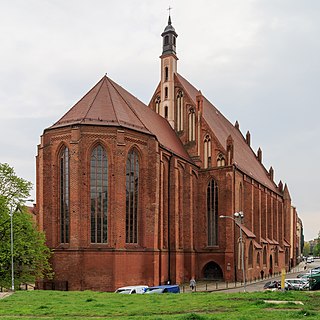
(169, 38)
(168, 71)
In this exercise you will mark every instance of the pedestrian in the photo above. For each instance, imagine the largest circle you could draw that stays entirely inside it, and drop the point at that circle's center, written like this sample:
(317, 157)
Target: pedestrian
(192, 284)
(262, 274)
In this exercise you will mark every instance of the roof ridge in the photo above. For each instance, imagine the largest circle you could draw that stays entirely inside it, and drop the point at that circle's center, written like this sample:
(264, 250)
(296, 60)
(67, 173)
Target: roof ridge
(129, 105)
(93, 100)
(114, 111)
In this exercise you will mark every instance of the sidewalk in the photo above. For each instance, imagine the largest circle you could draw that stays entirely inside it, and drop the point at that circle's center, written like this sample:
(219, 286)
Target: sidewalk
(211, 285)
(5, 294)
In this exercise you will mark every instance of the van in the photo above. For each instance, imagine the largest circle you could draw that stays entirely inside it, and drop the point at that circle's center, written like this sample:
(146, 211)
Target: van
(132, 289)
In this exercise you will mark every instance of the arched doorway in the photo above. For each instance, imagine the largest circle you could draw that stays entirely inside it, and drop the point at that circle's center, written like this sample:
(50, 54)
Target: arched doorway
(212, 271)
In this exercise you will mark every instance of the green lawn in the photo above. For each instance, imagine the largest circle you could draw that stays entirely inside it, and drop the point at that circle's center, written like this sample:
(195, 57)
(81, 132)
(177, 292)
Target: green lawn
(99, 305)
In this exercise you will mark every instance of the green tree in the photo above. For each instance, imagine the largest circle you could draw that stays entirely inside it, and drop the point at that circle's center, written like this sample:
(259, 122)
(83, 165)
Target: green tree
(30, 254)
(316, 248)
(306, 249)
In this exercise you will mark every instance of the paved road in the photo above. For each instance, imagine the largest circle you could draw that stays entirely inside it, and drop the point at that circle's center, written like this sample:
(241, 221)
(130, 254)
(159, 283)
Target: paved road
(258, 286)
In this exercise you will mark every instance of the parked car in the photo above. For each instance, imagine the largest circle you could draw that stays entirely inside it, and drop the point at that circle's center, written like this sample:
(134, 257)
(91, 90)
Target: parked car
(163, 289)
(298, 283)
(310, 259)
(132, 289)
(274, 285)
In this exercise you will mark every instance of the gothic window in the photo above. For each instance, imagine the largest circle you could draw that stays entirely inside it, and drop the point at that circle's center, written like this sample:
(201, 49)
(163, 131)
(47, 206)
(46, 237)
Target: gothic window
(157, 108)
(166, 92)
(221, 162)
(166, 112)
(276, 256)
(207, 151)
(240, 198)
(286, 257)
(99, 195)
(192, 125)
(264, 256)
(212, 213)
(250, 255)
(180, 111)
(166, 74)
(132, 196)
(64, 196)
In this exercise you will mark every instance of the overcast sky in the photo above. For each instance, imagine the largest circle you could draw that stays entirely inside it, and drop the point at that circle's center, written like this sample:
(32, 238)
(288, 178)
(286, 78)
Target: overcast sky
(258, 61)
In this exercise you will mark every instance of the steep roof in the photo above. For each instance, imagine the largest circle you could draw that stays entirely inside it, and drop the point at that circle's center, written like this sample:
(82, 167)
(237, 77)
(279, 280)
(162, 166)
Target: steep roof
(108, 104)
(244, 157)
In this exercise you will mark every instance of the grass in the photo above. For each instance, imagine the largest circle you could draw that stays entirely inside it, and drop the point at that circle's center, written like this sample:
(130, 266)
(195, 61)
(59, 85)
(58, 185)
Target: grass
(57, 305)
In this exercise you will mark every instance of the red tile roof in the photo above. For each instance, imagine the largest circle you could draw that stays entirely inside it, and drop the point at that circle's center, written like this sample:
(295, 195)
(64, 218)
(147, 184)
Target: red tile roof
(108, 104)
(244, 157)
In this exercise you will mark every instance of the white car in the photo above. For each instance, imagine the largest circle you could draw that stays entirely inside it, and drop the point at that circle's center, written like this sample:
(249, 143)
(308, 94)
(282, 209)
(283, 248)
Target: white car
(298, 283)
(310, 259)
(132, 289)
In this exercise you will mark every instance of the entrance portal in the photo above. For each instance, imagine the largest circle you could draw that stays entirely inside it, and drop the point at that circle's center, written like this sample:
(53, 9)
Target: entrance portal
(212, 271)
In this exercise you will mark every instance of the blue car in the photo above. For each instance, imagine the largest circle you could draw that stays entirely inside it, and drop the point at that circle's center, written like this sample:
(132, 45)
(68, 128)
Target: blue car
(163, 289)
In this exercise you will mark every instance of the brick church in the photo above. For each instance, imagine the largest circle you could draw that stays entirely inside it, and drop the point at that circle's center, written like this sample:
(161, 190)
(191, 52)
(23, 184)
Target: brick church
(132, 194)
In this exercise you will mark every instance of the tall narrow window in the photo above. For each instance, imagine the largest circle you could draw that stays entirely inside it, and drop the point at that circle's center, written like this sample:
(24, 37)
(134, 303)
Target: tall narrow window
(166, 112)
(250, 255)
(166, 92)
(99, 195)
(192, 125)
(166, 74)
(166, 40)
(64, 196)
(212, 213)
(179, 111)
(132, 197)
(207, 152)
(264, 256)
(157, 108)
(221, 162)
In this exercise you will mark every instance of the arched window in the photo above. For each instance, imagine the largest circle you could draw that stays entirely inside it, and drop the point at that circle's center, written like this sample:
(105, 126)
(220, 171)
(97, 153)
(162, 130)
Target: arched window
(132, 197)
(221, 162)
(264, 256)
(250, 255)
(166, 40)
(207, 151)
(180, 111)
(192, 125)
(166, 112)
(99, 195)
(166, 92)
(157, 105)
(212, 213)
(64, 195)
(286, 257)
(258, 258)
(166, 74)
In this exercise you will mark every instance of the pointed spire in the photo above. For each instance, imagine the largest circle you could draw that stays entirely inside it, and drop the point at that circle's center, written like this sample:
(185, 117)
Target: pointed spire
(259, 155)
(271, 173)
(169, 38)
(169, 20)
(248, 138)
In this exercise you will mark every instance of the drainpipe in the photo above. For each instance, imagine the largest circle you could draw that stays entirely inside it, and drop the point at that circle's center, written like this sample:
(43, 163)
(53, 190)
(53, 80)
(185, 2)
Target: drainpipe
(234, 228)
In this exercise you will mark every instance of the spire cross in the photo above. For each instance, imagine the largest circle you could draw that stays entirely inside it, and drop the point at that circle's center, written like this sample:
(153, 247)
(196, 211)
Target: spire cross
(169, 9)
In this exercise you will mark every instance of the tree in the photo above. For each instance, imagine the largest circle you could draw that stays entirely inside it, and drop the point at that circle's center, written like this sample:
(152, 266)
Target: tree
(306, 249)
(30, 254)
(316, 248)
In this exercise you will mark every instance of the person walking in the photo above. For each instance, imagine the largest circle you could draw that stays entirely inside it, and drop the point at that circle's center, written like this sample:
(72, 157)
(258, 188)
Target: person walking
(193, 284)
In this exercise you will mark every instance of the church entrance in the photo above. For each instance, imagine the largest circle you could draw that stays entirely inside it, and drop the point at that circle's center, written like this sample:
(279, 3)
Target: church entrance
(212, 271)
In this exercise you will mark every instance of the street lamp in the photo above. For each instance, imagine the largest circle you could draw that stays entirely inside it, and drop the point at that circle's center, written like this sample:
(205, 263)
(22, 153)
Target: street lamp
(11, 239)
(238, 216)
